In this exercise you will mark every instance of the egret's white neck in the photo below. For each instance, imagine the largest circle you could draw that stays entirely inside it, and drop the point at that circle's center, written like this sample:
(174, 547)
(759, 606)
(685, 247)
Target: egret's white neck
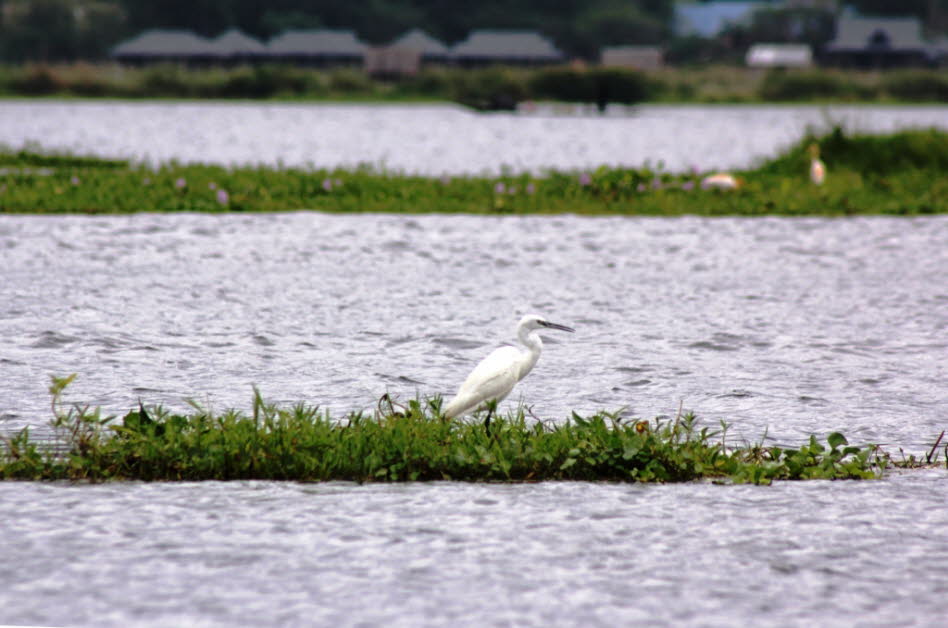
(531, 340)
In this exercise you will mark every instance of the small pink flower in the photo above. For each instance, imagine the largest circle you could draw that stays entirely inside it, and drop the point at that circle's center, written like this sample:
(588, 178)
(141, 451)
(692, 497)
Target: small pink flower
(585, 179)
(327, 185)
(640, 187)
(180, 183)
(656, 184)
(687, 186)
(223, 197)
(500, 188)
(531, 189)
(74, 180)
(337, 183)
(212, 186)
(513, 190)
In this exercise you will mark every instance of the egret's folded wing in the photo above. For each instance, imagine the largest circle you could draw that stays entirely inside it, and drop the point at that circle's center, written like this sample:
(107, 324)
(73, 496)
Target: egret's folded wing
(493, 378)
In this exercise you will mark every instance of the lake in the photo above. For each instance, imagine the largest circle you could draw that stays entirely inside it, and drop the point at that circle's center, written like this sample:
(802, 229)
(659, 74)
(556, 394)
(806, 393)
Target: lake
(781, 326)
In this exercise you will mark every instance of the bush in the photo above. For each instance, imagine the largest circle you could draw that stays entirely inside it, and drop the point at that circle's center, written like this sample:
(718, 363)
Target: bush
(566, 84)
(489, 88)
(595, 85)
(432, 82)
(163, 81)
(870, 155)
(781, 85)
(350, 81)
(36, 80)
(917, 86)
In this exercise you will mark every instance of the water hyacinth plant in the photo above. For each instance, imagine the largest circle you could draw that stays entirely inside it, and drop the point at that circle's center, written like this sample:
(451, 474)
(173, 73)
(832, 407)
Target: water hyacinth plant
(901, 173)
(412, 442)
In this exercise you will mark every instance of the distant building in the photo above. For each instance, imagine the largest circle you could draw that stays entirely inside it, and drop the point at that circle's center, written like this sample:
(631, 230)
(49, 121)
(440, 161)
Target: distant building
(638, 57)
(779, 56)
(235, 46)
(320, 47)
(487, 47)
(406, 55)
(866, 42)
(826, 5)
(432, 50)
(707, 19)
(160, 45)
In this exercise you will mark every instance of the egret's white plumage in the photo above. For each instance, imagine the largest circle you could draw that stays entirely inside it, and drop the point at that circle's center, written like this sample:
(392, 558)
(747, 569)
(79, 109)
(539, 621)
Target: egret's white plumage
(817, 167)
(497, 374)
(720, 181)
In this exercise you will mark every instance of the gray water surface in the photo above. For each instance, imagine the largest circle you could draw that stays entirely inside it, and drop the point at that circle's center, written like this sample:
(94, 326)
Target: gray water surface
(555, 554)
(784, 326)
(439, 139)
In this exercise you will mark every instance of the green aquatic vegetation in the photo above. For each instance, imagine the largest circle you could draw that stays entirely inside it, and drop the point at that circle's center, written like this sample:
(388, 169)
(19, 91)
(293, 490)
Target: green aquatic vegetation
(409, 443)
(901, 173)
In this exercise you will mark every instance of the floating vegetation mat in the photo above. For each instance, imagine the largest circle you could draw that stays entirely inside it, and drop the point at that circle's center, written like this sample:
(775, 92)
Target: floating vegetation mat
(900, 173)
(412, 442)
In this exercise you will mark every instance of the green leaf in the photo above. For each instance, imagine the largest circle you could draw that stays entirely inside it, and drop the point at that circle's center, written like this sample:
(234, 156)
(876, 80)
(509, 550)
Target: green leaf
(836, 439)
(60, 383)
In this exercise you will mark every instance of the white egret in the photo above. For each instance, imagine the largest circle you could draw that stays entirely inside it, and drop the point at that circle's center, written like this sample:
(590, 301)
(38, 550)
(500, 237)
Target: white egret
(720, 181)
(817, 167)
(497, 374)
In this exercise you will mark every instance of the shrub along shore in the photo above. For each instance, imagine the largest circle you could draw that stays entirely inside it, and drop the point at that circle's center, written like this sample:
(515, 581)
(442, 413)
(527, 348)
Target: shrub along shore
(410, 443)
(900, 173)
(482, 88)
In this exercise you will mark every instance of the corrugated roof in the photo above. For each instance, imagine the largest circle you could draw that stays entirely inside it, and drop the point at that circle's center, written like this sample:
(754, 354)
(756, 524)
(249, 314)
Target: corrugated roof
(161, 42)
(417, 39)
(236, 42)
(489, 44)
(861, 32)
(709, 19)
(316, 43)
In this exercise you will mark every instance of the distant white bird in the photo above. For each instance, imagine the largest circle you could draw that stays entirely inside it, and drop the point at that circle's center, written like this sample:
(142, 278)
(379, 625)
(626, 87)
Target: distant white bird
(817, 167)
(497, 374)
(720, 181)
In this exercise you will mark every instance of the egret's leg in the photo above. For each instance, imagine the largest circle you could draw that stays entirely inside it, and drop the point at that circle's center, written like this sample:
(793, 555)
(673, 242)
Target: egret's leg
(490, 411)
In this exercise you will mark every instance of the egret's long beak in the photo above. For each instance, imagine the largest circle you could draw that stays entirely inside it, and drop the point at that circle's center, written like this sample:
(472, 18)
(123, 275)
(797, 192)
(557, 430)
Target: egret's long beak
(556, 326)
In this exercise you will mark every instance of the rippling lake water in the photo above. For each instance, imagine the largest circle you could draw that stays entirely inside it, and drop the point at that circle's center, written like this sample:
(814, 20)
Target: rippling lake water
(780, 326)
(555, 554)
(438, 139)
(790, 326)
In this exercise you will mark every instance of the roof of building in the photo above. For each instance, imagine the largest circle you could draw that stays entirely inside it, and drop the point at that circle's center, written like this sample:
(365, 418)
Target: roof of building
(161, 42)
(770, 55)
(496, 44)
(421, 41)
(236, 42)
(316, 43)
(857, 33)
(707, 19)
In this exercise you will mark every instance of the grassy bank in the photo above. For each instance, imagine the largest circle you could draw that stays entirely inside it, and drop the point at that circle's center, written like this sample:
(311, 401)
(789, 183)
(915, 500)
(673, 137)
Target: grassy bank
(410, 443)
(902, 173)
(479, 87)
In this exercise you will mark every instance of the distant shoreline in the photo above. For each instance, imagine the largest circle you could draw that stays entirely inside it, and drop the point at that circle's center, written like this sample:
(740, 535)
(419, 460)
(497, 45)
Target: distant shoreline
(488, 88)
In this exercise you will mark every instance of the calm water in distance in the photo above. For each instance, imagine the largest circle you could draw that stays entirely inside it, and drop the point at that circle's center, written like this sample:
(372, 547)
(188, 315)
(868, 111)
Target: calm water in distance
(438, 139)
(783, 326)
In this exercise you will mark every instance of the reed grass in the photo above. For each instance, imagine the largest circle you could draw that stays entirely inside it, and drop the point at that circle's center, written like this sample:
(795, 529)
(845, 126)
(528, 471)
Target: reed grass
(900, 173)
(409, 443)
